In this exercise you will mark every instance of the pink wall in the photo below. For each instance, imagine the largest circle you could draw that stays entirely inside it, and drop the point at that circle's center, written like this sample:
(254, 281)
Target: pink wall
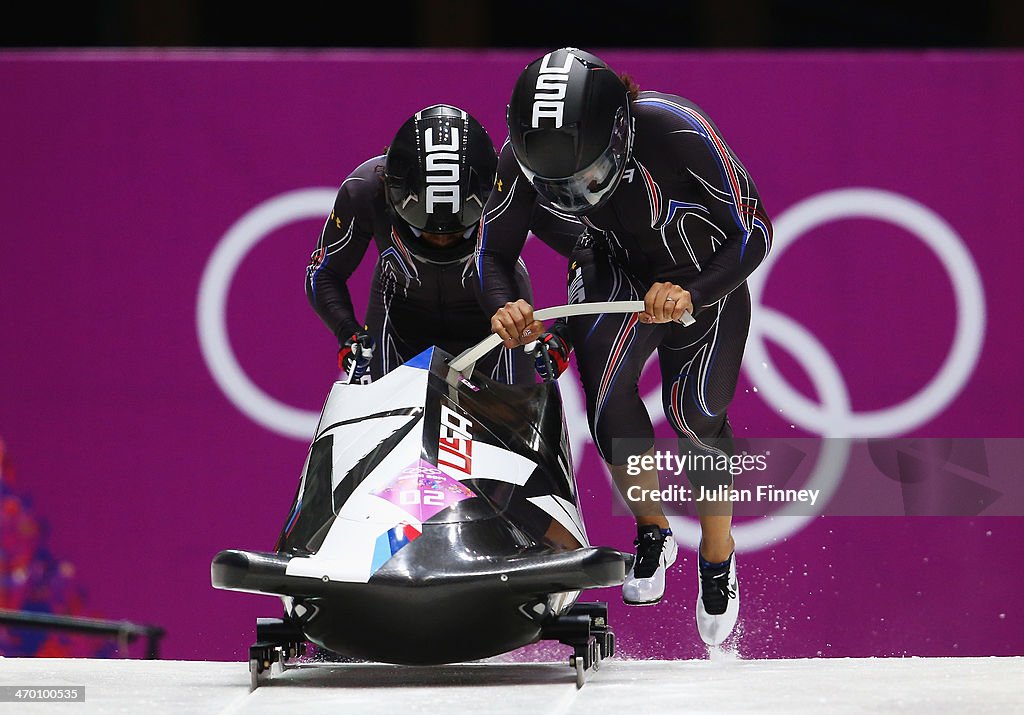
(124, 172)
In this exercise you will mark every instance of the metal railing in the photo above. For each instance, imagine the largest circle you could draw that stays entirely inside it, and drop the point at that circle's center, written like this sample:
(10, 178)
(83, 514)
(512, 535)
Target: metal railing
(124, 631)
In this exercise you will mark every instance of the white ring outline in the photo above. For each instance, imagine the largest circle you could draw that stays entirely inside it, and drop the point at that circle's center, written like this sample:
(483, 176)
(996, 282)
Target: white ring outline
(211, 308)
(959, 364)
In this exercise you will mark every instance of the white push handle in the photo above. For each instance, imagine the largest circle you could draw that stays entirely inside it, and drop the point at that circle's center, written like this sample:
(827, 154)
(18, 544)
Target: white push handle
(469, 357)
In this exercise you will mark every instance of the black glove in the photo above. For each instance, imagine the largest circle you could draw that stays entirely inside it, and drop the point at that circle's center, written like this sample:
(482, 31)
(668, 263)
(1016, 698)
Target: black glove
(552, 351)
(354, 355)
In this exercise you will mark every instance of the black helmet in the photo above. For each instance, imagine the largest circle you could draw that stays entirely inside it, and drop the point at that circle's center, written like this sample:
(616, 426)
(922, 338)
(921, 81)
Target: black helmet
(440, 169)
(570, 125)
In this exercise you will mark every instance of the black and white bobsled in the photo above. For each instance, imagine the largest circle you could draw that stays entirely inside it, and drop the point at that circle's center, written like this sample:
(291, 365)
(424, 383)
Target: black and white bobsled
(436, 521)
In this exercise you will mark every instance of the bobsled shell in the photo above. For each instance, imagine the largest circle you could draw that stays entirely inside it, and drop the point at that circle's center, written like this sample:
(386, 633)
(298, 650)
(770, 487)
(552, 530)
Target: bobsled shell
(565, 513)
(360, 488)
(491, 462)
(355, 549)
(337, 482)
(421, 361)
(435, 521)
(357, 401)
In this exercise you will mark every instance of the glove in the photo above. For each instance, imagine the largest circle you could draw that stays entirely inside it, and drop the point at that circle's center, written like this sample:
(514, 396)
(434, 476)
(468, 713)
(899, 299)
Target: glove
(354, 356)
(552, 350)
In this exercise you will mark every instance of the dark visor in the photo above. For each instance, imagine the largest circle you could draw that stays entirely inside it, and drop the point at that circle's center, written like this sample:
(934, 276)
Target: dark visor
(590, 186)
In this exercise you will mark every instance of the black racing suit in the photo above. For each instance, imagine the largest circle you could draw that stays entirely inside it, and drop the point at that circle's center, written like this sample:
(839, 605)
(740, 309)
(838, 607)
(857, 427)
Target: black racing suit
(421, 295)
(685, 211)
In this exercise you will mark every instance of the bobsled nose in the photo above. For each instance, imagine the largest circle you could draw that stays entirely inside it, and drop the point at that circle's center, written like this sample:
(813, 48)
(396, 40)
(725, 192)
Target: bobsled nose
(253, 571)
(577, 570)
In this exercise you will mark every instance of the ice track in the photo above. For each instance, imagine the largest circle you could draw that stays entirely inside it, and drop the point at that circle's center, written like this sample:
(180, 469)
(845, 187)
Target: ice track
(874, 685)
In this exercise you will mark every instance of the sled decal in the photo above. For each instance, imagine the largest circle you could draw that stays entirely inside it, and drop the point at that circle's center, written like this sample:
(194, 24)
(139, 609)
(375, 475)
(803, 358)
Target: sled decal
(455, 444)
(422, 490)
(389, 543)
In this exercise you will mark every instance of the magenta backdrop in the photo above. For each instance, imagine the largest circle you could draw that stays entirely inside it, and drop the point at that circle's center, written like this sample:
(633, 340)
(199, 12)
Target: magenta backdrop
(123, 172)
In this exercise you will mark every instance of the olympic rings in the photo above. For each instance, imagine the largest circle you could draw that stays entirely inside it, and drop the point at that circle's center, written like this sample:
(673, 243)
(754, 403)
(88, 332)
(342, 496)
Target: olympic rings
(832, 416)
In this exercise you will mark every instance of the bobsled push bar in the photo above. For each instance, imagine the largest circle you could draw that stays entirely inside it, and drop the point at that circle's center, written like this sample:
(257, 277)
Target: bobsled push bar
(464, 363)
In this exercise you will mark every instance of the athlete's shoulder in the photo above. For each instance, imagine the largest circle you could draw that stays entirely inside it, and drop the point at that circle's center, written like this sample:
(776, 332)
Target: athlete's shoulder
(671, 129)
(507, 163)
(366, 181)
(507, 176)
(666, 110)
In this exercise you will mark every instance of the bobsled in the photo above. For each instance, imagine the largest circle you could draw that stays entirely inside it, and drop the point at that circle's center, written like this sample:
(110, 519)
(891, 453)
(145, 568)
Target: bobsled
(436, 521)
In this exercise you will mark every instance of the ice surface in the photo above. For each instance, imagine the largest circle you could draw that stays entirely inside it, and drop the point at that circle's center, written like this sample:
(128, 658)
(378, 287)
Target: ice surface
(721, 684)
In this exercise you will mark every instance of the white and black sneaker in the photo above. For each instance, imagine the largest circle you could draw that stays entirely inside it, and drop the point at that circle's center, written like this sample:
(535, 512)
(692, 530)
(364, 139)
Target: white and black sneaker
(656, 550)
(718, 599)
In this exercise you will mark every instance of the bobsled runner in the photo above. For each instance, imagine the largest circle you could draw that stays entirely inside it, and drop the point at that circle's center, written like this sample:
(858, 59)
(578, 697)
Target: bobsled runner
(436, 521)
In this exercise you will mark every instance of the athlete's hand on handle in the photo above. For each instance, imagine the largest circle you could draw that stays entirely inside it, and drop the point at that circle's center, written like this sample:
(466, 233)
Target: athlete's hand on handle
(666, 302)
(515, 325)
(354, 355)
